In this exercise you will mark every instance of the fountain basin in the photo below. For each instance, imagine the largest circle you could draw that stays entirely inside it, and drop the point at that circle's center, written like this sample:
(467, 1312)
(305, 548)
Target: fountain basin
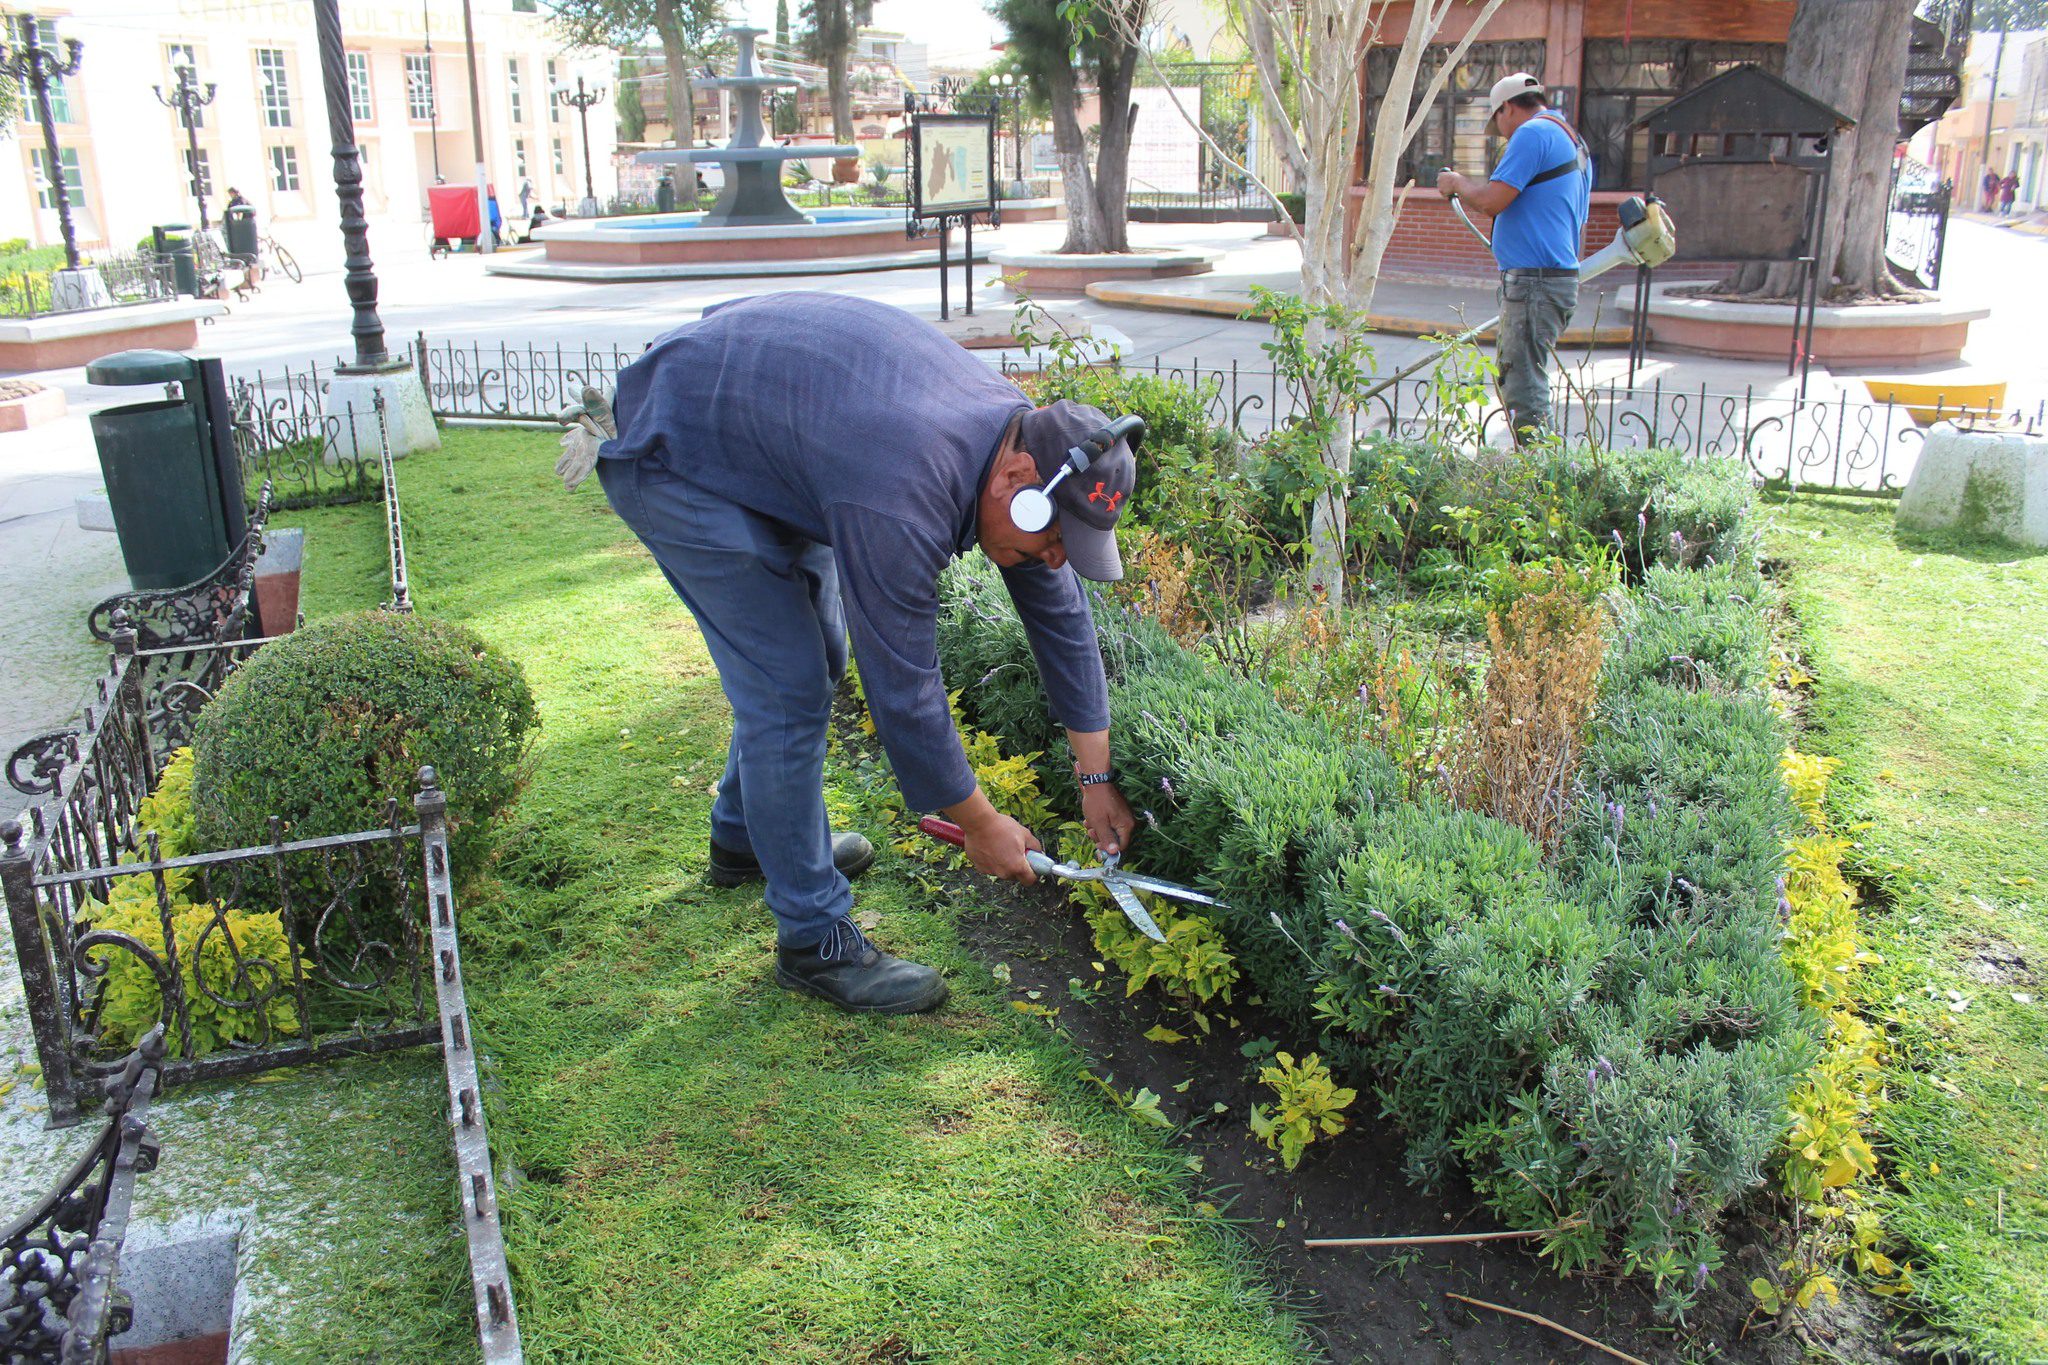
(681, 246)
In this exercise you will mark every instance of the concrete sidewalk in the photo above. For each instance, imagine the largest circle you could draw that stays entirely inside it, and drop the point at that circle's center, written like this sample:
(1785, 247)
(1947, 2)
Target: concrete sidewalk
(1403, 308)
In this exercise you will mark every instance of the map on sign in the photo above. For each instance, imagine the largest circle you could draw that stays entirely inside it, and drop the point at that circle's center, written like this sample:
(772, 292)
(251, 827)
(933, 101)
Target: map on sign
(955, 164)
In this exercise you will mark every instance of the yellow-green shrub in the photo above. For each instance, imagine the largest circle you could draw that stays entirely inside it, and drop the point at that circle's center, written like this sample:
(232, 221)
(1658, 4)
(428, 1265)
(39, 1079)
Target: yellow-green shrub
(1310, 1102)
(1826, 1152)
(1192, 964)
(209, 942)
(236, 955)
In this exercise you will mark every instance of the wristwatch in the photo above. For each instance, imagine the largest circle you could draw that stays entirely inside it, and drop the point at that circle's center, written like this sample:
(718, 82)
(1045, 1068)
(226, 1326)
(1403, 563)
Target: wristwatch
(1095, 779)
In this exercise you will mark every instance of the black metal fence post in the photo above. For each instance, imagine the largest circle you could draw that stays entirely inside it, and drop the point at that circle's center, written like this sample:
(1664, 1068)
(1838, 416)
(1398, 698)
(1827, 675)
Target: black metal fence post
(34, 950)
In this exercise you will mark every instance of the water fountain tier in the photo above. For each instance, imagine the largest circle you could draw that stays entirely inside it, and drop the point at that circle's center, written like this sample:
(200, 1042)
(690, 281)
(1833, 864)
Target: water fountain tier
(753, 195)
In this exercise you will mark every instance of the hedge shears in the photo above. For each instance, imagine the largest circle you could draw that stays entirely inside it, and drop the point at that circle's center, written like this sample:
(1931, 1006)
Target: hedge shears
(1122, 886)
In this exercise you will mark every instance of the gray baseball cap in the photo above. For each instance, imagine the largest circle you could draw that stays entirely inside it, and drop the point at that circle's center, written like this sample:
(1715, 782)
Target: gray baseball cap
(1091, 501)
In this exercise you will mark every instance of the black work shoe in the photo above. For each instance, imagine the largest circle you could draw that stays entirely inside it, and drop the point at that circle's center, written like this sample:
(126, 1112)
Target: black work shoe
(852, 854)
(855, 975)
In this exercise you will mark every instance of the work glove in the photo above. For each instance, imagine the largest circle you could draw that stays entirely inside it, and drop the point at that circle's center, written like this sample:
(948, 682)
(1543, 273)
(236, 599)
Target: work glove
(589, 424)
(579, 456)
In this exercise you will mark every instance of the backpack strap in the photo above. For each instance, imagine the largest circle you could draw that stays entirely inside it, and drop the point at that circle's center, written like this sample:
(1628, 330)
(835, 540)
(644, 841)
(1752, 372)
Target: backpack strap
(1579, 162)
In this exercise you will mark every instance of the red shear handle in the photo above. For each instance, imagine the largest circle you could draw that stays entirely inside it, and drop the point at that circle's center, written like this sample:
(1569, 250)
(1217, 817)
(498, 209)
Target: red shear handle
(945, 831)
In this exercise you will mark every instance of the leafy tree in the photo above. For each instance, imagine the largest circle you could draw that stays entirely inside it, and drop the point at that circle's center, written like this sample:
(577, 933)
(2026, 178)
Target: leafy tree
(1989, 16)
(782, 24)
(830, 27)
(688, 30)
(1061, 46)
(632, 113)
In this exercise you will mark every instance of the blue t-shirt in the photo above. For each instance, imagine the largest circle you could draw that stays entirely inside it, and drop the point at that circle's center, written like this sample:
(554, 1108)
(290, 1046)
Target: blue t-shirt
(1542, 229)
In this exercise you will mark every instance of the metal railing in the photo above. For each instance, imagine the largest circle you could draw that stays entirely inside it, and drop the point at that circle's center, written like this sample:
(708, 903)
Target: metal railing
(1836, 442)
(59, 1260)
(130, 277)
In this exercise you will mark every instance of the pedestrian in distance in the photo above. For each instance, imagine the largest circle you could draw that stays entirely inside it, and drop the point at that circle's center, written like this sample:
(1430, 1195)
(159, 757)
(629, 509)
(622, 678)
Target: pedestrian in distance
(1538, 196)
(803, 466)
(2008, 190)
(1990, 185)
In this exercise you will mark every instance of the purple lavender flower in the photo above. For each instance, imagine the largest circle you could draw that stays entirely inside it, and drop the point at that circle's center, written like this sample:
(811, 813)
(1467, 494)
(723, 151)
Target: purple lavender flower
(1617, 539)
(1677, 543)
(1699, 1276)
(1673, 1142)
(1618, 814)
(1642, 523)
(1392, 927)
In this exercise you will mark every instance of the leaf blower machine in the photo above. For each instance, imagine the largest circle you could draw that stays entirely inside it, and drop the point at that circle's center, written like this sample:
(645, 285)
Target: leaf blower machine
(1646, 238)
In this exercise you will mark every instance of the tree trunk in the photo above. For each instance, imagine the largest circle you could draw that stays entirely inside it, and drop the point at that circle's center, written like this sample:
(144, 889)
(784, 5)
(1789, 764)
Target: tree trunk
(682, 103)
(841, 91)
(1113, 158)
(1850, 54)
(1070, 150)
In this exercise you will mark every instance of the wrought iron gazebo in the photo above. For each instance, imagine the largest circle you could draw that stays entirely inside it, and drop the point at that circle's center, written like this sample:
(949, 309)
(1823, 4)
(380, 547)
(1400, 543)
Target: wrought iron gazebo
(1744, 163)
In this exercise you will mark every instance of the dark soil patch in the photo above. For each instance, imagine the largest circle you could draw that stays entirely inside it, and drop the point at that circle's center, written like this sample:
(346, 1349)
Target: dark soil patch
(1378, 1305)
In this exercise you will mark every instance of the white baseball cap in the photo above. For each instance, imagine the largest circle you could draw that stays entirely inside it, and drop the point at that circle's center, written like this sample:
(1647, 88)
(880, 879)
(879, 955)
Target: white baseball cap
(1507, 87)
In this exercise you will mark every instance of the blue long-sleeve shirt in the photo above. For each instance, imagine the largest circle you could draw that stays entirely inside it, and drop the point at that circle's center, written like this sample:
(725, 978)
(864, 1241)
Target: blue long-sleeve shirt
(864, 428)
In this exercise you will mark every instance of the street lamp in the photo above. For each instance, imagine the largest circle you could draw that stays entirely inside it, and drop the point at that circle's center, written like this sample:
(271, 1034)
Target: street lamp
(188, 100)
(581, 101)
(1012, 94)
(375, 380)
(35, 66)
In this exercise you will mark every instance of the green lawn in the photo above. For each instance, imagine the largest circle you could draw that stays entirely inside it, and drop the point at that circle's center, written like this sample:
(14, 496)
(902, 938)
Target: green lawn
(1931, 662)
(712, 1169)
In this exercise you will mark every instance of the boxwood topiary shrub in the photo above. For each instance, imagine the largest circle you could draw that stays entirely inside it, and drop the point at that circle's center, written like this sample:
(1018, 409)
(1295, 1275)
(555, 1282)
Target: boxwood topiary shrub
(323, 726)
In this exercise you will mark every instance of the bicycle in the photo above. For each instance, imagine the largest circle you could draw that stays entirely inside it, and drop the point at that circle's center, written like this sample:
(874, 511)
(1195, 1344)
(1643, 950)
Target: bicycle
(274, 256)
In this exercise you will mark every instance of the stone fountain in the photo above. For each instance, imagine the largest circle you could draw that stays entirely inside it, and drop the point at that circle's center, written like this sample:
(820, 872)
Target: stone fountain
(753, 195)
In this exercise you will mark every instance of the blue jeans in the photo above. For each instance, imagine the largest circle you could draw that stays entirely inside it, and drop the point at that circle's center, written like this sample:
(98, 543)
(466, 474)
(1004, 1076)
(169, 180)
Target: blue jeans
(767, 603)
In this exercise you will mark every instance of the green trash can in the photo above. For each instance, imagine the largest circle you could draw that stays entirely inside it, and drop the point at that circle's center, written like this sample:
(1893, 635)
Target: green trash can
(238, 224)
(174, 243)
(166, 481)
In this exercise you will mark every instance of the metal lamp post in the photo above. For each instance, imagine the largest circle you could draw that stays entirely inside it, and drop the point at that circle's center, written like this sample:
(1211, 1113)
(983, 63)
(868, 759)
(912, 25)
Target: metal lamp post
(1012, 94)
(35, 66)
(187, 98)
(376, 402)
(581, 101)
(360, 278)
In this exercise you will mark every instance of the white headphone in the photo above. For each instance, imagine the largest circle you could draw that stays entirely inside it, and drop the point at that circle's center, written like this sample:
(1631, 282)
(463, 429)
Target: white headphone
(1031, 509)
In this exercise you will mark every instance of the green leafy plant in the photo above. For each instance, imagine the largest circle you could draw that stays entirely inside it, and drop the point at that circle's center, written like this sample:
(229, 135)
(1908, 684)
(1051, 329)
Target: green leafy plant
(1308, 1103)
(324, 726)
(224, 955)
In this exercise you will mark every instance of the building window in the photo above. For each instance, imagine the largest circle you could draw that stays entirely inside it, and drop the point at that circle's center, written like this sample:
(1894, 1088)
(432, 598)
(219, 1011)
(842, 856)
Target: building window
(519, 156)
(74, 178)
(180, 57)
(60, 100)
(525, 7)
(284, 168)
(419, 87)
(1454, 133)
(1624, 81)
(276, 87)
(560, 168)
(359, 107)
(554, 83)
(512, 88)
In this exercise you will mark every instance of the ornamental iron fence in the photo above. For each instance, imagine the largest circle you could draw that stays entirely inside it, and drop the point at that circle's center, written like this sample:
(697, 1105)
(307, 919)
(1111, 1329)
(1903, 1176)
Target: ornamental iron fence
(291, 952)
(59, 1301)
(513, 381)
(284, 438)
(131, 277)
(1838, 442)
(237, 961)
(189, 638)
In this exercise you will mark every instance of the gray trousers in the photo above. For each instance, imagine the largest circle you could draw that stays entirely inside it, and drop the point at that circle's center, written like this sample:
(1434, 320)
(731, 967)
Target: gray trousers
(1533, 312)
